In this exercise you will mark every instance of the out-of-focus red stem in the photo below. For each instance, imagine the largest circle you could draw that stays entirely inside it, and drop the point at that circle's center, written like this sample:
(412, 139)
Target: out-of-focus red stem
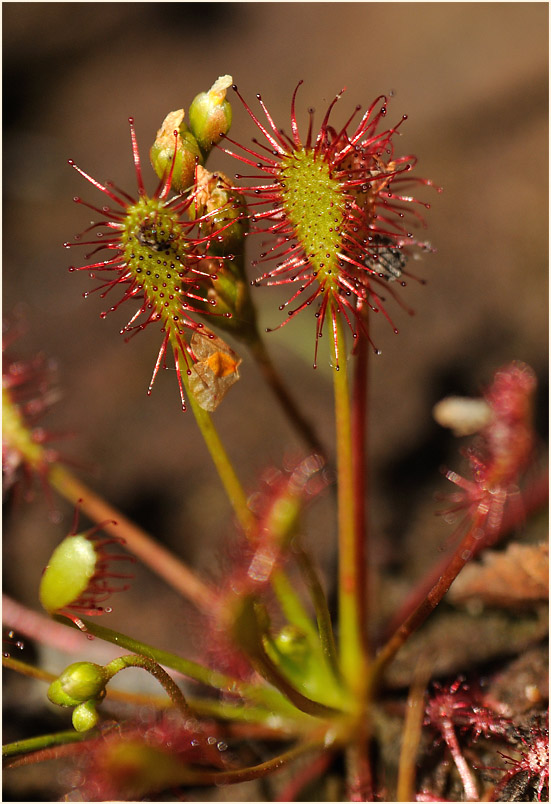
(533, 500)
(358, 769)
(36, 626)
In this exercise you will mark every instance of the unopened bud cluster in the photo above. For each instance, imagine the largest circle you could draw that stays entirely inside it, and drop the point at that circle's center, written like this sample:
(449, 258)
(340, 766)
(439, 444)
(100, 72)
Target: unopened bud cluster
(81, 685)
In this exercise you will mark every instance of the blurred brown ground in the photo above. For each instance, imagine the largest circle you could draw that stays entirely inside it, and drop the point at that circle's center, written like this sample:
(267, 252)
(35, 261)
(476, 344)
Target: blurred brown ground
(473, 80)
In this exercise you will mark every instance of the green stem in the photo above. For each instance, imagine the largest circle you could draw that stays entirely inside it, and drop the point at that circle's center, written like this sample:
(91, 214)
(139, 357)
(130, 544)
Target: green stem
(323, 615)
(138, 542)
(350, 592)
(44, 741)
(257, 694)
(202, 708)
(154, 669)
(224, 467)
(291, 605)
(188, 775)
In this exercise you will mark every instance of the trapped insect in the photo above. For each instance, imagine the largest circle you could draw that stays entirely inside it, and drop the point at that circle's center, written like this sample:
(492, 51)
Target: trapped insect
(389, 261)
(215, 371)
(147, 236)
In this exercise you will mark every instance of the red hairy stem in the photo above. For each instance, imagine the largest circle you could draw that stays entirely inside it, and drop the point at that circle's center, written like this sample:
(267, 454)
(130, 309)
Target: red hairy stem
(359, 423)
(150, 666)
(534, 499)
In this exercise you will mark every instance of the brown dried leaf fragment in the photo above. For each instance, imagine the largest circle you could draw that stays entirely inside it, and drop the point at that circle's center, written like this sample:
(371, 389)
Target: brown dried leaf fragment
(518, 576)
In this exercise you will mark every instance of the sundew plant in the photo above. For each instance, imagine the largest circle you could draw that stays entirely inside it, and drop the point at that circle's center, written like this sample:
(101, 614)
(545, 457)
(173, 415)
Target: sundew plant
(293, 693)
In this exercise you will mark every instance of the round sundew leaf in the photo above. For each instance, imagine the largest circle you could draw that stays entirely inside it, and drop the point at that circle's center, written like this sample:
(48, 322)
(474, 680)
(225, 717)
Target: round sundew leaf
(315, 204)
(68, 573)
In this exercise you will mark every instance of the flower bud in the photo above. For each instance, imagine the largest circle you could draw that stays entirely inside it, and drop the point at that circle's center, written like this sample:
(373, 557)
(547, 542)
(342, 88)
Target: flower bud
(57, 695)
(210, 114)
(187, 152)
(83, 680)
(85, 716)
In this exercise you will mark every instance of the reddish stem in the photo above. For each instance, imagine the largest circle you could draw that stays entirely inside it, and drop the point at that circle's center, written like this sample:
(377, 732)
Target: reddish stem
(533, 500)
(360, 479)
(33, 625)
(358, 771)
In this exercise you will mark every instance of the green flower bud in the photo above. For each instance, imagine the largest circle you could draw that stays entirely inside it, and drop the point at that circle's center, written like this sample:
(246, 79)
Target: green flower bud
(187, 152)
(57, 695)
(210, 114)
(85, 716)
(82, 680)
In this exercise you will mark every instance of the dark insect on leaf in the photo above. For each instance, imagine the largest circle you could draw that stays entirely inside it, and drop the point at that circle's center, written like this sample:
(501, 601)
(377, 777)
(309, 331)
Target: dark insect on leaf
(148, 236)
(387, 260)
